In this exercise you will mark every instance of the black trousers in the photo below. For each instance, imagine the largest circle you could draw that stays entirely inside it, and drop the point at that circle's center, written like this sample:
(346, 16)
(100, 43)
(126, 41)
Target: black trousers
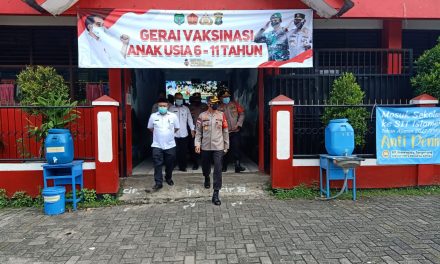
(162, 157)
(234, 147)
(182, 150)
(207, 157)
(195, 157)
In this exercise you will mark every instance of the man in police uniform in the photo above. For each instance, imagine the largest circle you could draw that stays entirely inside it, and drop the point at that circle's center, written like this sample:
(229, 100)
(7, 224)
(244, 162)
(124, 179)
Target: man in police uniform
(163, 124)
(181, 136)
(276, 40)
(212, 140)
(234, 113)
(196, 107)
(300, 37)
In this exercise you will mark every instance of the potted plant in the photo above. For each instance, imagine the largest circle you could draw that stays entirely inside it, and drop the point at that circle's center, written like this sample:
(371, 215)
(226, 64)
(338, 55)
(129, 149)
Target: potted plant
(427, 79)
(44, 89)
(346, 91)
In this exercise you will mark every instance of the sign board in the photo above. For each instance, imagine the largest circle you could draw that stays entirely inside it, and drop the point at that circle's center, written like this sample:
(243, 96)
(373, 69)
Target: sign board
(409, 135)
(195, 39)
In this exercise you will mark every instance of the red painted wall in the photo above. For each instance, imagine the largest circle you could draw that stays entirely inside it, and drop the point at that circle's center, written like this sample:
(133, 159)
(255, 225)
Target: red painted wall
(32, 181)
(115, 93)
(403, 9)
(373, 176)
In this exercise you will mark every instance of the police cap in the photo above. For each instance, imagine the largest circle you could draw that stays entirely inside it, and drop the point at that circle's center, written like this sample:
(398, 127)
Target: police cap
(213, 100)
(276, 15)
(224, 92)
(300, 16)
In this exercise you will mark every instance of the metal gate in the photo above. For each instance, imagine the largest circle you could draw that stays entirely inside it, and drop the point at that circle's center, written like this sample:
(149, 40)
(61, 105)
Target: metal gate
(383, 74)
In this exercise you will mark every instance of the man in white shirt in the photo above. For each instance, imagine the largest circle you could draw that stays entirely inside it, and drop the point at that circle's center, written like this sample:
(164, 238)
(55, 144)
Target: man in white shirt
(100, 48)
(181, 136)
(163, 124)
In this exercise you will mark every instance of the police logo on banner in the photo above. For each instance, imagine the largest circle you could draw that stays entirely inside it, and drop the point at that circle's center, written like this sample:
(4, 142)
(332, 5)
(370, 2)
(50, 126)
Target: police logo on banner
(218, 18)
(179, 19)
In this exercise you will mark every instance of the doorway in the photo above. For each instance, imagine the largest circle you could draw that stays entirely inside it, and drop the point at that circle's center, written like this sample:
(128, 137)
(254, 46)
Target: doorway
(148, 83)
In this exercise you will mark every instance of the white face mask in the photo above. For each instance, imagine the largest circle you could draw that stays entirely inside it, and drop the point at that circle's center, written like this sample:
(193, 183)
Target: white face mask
(98, 31)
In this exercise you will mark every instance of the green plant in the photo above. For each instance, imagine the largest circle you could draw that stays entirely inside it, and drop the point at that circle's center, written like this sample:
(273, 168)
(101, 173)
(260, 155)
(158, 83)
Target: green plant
(89, 196)
(108, 199)
(38, 201)
(22, 148)
(304, 192)
(301, 191)
(3, 198)
(43, 88)
(427, 79)
(346, 91)
(21, 199)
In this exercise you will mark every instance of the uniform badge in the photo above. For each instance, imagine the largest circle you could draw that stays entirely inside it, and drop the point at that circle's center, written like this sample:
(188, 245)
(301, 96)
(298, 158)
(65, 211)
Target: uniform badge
(192, 19)
(179, 19)
(205, 20)
(218, 18)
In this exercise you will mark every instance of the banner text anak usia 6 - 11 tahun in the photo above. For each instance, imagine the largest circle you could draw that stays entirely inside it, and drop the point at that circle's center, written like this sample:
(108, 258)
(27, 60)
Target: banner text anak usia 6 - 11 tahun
(195, 39)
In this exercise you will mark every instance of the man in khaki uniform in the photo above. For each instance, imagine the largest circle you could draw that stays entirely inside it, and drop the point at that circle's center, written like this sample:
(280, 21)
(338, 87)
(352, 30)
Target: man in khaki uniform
(234, 113)
(212, 140)
(196, 107)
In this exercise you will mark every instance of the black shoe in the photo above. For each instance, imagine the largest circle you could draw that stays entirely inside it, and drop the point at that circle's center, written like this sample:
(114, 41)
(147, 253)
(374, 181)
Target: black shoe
(182, 169)
(195, 167)
(170, 182)
(207, 183)
(238, 167)
(215, 199)
(157, 187)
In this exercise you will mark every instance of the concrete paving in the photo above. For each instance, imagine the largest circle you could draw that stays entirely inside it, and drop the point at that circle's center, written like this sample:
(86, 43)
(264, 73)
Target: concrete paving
(189, 186)
(252, 229)
(179, 224)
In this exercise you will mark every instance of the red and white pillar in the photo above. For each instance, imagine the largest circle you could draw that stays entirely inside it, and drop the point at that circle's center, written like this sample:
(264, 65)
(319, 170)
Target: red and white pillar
(281, 154)
(392, 39)
(106, 144)
(425, 172)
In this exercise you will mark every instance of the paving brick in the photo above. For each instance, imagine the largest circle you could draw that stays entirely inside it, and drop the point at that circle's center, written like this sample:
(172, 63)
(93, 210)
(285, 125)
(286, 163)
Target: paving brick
(263, 230)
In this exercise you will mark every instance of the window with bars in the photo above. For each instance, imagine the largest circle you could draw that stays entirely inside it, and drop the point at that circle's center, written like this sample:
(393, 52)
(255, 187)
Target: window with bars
(54, 46)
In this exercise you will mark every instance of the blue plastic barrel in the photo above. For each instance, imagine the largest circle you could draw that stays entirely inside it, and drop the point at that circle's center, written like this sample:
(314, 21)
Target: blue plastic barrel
(339, 137)
(54, 200)
(59, 146)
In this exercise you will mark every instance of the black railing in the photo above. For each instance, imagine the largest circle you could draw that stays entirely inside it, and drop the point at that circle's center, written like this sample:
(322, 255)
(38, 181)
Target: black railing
(309, 129)
(19, 143)
(383, 74)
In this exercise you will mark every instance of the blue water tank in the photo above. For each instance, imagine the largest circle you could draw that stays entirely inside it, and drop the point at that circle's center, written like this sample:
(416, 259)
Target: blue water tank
(59, 146)
(339, 137)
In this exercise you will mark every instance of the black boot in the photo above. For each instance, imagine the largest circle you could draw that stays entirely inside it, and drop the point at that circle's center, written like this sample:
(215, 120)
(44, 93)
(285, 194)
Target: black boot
(215, 199)
(207, 183)
(238, 167)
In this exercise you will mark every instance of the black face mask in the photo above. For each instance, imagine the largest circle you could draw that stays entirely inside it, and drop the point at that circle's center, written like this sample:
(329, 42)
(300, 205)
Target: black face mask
(214, 106)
